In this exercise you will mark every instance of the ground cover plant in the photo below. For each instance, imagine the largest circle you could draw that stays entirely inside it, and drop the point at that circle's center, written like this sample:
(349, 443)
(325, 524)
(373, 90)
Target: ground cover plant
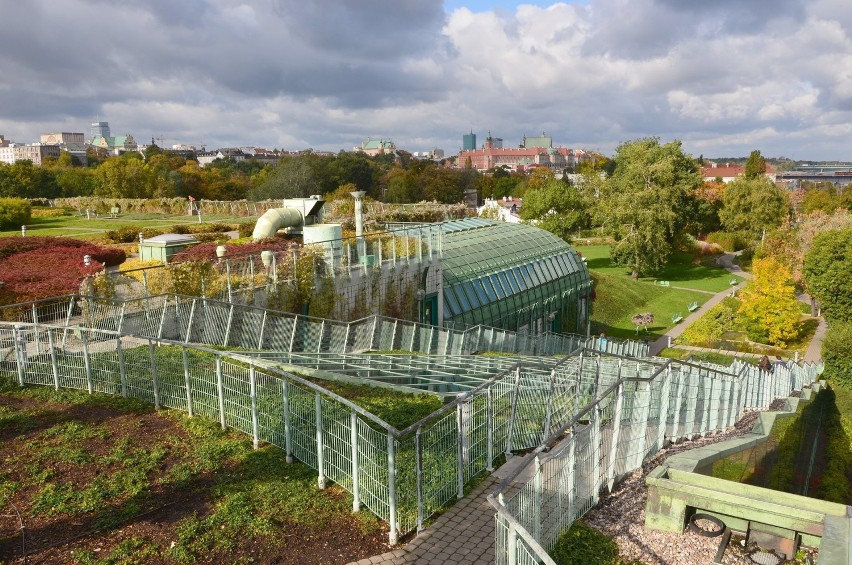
(33, 268)
(100, 479)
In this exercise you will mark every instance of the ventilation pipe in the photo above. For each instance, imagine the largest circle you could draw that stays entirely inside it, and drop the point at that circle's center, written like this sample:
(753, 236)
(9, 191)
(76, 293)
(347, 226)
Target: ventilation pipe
(358, 195)
(274, 219)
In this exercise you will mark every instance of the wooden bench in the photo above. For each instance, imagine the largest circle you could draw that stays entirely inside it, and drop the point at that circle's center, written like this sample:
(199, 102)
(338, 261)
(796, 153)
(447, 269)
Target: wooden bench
(693, 306)
(677, 318)
(663, 283)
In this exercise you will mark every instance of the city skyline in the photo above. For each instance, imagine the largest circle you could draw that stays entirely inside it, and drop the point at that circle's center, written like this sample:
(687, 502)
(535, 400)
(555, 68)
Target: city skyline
(724, 78)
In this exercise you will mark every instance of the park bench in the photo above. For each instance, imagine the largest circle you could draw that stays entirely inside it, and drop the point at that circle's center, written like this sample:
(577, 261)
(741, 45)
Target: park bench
(663, 283)
(114, 212)
(693, 306)
(734, 282)
(677, 318)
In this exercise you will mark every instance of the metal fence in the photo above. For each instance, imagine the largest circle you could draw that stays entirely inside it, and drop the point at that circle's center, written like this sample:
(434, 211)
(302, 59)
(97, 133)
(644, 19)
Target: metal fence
(612, 435)
(192, 319)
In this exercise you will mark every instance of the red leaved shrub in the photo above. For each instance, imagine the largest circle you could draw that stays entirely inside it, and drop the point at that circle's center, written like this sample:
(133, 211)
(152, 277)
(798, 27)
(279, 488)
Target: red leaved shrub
(32, 268)
(208, 250)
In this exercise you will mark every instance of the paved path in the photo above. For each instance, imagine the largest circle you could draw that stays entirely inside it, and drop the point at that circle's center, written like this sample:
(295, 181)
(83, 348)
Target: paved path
(463, 534)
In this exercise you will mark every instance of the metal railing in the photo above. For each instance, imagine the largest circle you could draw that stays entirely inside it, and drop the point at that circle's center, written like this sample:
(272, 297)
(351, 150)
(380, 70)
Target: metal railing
(611, 437)
(192, 319)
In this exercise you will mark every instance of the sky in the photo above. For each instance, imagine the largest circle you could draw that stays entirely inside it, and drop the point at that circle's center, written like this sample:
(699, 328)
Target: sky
(724, 77)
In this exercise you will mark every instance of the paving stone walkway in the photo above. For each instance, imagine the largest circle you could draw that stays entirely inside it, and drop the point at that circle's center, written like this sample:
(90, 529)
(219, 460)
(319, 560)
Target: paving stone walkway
(463, 534)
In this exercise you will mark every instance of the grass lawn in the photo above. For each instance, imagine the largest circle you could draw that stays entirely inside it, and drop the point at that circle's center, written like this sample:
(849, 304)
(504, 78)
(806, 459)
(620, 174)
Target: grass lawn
(619, 297)
(99, 479)
(81, 228)
(681, 271)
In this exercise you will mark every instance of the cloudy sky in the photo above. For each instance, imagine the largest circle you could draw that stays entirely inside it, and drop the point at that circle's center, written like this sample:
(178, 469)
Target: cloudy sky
(725, 77)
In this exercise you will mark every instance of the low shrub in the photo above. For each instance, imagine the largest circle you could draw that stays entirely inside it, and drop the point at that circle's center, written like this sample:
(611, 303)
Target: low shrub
(130, 234)
(50, 212)
(14, 213)
(729, 241)
(710, 327)
(207, 250)
(246, 230)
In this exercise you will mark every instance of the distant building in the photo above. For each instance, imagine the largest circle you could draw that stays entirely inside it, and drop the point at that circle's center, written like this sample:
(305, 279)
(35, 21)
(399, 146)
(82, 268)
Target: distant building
(469, 141)
(207, 157)
(533, 152)
(73, 143)
(35, 152)
(435, 155)
(728, 172)
(4, 142)
(373, 147)
(101, 138)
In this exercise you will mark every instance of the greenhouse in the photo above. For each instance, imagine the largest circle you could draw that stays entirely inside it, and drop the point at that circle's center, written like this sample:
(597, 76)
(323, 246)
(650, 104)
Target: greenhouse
(512, 276)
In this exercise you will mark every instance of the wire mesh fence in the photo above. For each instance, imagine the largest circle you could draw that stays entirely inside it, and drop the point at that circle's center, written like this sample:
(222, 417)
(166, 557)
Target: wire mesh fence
(193, 319)
(612, 435)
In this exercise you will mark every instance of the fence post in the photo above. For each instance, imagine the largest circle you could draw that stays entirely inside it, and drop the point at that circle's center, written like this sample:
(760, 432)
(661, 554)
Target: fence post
(489, 430)
(512, 544)
(220, 391)
(537, 496)
(121, 317)
(322, 332)
(346, 338)
(678, 402)
(288, 446)
(153, 374)
(293, 332)
(20, 352)
(705, 410)
(549, 410)
(228, 327)
(320, 449)
(663, 416)
(253, 393)
(644, 416)
(616, 433)
(393, 534)
(596, 453)
(122, 370)
(189, 324)
(87, 363)
(53, 363)
(35, 330)
(186, 382)
(460, 451)
(353, 426)
(418, 449)
(511, 430)
(262, 328)
(163, 316)
(375, 332)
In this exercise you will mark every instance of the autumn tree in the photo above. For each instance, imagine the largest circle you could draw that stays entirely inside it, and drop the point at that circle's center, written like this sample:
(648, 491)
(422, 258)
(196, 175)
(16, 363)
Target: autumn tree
(753, 205)
(828, 273)
(769, 301)
(644, 201)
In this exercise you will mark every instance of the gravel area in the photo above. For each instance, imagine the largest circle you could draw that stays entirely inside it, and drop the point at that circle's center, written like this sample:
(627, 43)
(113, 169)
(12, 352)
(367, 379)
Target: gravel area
(621, 515)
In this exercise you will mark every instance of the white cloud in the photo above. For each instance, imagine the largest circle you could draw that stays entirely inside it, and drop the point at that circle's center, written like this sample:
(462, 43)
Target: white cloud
(725, 77)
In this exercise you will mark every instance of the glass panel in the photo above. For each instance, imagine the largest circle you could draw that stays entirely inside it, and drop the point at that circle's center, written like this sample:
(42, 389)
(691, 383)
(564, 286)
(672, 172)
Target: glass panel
(519, 278)
(486, 292)
(498, 288)
(510, 288)
(459, 293)
(450, 300)
(471, 294)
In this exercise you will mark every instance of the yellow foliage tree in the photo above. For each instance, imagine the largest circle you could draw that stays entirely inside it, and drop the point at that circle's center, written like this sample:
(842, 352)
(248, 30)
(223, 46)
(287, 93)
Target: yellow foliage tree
(769, 300)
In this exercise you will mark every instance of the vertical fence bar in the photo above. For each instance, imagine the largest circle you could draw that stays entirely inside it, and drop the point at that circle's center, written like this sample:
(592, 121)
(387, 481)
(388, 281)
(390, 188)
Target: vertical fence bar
(163, 317)
(678, 401)
(489, 430)
(353, 436)
(20, 352)
(537, 499)
(253, 392)
(596, 453)
(189, 324)
(186, 382)
(35, 330)
(616, 431)
(122, 368)
(220, 392)
(262, 328)
(663, 417)
(288, 443)
(549, 409)
(154, 374)
(228, 327)
(460, 451)
(393, 534)
(418, 448)
(320, 449)
(87, 363)
(54, 365)
(511, 429)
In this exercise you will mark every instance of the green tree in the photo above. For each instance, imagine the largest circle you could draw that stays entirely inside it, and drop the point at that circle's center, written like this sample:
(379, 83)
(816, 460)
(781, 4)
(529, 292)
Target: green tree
(555, 207)
(294, 178)
(755, 166)
(753, 205)
(828, 273)
(769, 301)
(644, 201)
(819, 199)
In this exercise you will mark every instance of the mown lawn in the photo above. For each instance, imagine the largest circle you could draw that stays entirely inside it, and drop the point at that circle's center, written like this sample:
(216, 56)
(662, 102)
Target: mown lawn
(681, 271)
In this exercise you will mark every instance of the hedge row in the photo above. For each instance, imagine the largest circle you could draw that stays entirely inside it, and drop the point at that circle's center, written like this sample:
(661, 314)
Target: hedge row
(14, 213)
